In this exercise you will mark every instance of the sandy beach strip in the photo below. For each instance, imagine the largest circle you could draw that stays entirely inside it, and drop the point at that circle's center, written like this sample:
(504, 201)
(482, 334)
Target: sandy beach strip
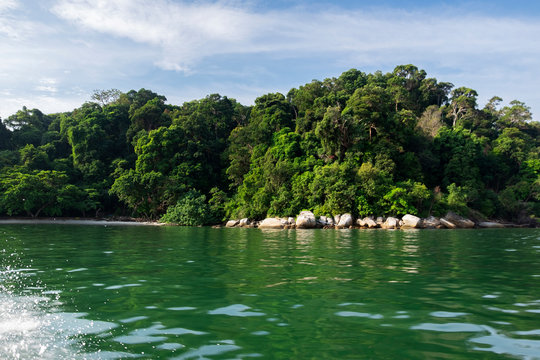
(53, 221)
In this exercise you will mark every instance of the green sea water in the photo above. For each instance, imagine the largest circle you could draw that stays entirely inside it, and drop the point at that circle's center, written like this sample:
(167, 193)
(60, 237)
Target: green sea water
(113, 292)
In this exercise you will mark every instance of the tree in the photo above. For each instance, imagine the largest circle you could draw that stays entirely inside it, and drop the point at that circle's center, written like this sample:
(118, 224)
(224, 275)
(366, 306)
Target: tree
(434, 93)
(515, 115)
(35, 192)
(460, 155)
(514, 145)
(431, 121)
(27, 126)
(405, 85)
(337, 132)
(5, 137)
(105, 97)
(369, 107)
(462, 104)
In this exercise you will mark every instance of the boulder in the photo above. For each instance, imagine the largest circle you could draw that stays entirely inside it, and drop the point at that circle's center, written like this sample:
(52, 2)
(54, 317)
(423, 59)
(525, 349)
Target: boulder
(336, 219)
(291, 220)
(390, 223)
(431, 222)
(232, 223)
(459, 221)
(466, 224)
(306, 220)
(490, 225)
(411, 221)
(271, 223)
(379, 220)
(345, 221)
(447, 224)
(243, 222)
(370, 223)
(361, 223)
(325, 221)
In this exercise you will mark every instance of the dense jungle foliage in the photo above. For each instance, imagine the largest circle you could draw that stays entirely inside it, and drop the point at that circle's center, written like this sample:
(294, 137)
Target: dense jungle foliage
(367, 144)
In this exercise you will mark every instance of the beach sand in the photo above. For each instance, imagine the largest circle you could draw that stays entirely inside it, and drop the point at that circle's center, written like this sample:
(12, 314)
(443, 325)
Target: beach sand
(60, 221)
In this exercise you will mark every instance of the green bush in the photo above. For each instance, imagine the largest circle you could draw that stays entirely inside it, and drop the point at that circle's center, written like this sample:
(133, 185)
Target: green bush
(191, 210)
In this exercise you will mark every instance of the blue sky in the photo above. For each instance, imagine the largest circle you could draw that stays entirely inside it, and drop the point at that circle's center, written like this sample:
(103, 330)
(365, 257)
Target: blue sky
(54, 53)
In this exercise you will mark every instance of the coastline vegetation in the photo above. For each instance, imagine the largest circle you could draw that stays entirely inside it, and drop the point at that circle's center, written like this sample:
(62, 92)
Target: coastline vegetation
(366, 144)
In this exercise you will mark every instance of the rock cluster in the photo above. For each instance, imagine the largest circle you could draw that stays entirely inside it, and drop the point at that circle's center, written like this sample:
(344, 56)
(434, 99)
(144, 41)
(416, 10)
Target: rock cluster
(307, 220)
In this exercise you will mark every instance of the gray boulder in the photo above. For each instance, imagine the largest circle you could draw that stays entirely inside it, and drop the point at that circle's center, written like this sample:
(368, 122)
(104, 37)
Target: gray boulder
(325, 221)
(243, 222)
(370, 223)
(390, 223)
(490, 225)
(306, 220)
(447, 224)
(361, 223)
(345, 221)
(411, 221)
(336, 219)
(271, 223)
(459, 221)
(232, 223)
(431, 222)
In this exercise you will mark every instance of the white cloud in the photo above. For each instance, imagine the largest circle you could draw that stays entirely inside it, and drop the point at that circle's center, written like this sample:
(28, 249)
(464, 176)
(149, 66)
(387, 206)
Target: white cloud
(188, 32)
(46, 103)
(49, 89)
(184, 32)
(8, 5)
(47, 85)
(182, 35)
(234, 43)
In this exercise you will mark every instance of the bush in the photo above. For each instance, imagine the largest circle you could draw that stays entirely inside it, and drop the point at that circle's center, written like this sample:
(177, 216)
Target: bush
(396, 202)
(191, 210)
(364, 207)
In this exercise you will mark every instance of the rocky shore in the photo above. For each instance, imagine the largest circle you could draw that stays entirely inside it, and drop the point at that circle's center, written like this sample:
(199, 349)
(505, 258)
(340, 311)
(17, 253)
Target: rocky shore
(307, 220)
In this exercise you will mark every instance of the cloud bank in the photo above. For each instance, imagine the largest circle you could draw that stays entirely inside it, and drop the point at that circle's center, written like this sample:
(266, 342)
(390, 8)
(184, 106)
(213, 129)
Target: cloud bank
(192, 48)
(186, 33)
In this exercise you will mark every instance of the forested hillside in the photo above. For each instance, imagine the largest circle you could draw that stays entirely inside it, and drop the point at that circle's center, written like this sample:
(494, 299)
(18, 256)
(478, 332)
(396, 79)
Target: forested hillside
(366, 144)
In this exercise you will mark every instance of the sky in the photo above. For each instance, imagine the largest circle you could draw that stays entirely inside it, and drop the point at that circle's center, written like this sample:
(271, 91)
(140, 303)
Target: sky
(55, 53)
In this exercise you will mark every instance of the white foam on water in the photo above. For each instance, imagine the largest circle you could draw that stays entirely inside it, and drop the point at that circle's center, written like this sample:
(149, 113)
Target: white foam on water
(26, 330)
(32, 325)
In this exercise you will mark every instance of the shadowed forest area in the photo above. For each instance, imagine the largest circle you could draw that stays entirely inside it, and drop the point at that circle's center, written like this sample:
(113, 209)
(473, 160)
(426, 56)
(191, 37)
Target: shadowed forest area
(365, 144)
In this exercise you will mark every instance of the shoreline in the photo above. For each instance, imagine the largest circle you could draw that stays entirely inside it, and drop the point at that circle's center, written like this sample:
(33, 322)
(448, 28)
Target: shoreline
(77, 221)
(307, 220)
(139, 222)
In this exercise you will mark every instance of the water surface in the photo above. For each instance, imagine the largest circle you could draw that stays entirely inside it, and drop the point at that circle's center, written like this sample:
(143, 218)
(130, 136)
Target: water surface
(102, 292)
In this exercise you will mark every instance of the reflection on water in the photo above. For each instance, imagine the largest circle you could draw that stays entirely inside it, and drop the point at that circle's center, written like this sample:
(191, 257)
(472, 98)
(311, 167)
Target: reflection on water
(32, 327)
(192, 293)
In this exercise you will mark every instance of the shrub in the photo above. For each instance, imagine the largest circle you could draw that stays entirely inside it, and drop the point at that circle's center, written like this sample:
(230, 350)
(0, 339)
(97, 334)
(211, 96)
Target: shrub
(191, 210)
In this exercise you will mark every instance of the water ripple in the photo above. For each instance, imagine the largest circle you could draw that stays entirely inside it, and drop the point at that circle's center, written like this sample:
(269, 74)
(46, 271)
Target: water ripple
(115, 287)
(449, 327)
(207, 350)
(235, 310)
(501, 344)
(447, 314)
(155, 333)
(359, 314)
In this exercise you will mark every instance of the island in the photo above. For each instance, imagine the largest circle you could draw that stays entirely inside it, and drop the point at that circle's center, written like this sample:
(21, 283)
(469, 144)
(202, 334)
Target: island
(373, 145)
